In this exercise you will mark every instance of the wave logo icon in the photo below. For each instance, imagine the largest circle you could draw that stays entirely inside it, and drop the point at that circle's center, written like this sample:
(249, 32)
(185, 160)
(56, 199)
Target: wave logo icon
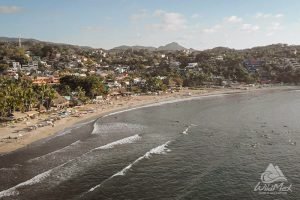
(273, 182)
(272, 174)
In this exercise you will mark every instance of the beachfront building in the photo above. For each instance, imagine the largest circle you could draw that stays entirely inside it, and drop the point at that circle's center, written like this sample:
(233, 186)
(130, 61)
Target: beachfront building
(191, 65)
(45, 80)
(252, 65)
(219, 58)
(61, 102)
(291, 62)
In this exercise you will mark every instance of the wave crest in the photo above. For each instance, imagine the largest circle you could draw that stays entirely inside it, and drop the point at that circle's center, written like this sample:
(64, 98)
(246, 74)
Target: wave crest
(13, 190)
(127, 140)
(162, 149)
(116, 127)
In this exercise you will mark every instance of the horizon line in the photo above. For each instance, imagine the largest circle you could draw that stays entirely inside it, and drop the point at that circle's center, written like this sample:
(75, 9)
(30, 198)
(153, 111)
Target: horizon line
(93, 47)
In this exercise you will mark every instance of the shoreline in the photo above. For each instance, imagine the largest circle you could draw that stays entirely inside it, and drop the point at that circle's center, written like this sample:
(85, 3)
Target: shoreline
(19, 140)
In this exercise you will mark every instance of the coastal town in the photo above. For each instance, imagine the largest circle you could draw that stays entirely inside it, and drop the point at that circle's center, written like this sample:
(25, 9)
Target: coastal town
(43, 83)
(149, 100)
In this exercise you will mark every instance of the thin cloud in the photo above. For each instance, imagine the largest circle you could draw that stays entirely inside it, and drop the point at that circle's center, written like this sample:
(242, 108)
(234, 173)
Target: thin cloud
(9, 9)
(233, 19)
(250, 27)
(170, 21)
(279, 15)
(213, 29)
(268, 15)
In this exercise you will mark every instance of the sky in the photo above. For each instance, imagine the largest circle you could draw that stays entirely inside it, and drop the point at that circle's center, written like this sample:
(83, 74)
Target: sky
(198, 24)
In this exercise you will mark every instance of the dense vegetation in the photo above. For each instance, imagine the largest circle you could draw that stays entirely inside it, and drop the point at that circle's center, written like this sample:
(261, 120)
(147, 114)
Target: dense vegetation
(21, 95)
(91, 85)
(159, 70)
(210, 70)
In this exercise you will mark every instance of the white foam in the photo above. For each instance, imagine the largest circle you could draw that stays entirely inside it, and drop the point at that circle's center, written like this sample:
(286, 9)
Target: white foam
(93, 188)
(15, 167)
(68, 131)
(64, 133)
(59, 134)
(36, 179)
(40, 177)
(96, 128)
(13, 190)
(185, 132)
(166, 102)
(162, 149)
(127, 140)
(116, 127)
(54, 152)
(9, 169)
(84, 123)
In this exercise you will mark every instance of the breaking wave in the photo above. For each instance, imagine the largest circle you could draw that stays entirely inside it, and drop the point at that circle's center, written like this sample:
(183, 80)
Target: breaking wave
(64, 133)
(76, 126)
(67, 131)
(166, 102)
(127, 140)
(13, 191)
(162, 149)
(185, 132)
(116, 127)
(51, 153)
(15, 167)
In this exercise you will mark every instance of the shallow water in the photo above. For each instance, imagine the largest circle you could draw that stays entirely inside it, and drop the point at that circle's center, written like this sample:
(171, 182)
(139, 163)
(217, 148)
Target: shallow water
(204, 148)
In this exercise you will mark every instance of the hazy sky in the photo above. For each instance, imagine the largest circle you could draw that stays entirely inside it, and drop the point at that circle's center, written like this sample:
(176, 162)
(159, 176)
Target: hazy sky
(198, 24)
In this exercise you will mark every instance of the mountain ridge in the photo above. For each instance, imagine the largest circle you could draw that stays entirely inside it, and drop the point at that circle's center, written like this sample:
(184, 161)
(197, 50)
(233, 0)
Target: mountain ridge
(173, 46)
(14, 39)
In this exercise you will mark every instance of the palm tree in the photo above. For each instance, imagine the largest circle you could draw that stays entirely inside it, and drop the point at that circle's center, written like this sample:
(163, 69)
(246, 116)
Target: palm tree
(3, 105)
(80, 93)
(42, 93)
(30, 99)
(50, 95)
(11, 96)
(67, 90)
(21, 99)
(45, 95)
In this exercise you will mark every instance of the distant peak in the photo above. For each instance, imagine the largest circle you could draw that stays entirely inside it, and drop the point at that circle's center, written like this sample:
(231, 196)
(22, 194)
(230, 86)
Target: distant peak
(173, 46)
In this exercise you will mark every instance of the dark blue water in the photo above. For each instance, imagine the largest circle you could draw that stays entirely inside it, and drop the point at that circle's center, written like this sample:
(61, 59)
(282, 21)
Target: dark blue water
(207, 148)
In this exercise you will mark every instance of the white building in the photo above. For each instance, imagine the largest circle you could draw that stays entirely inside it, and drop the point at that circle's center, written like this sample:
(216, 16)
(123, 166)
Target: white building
(16, 66)
(192, 65)
(220, 58)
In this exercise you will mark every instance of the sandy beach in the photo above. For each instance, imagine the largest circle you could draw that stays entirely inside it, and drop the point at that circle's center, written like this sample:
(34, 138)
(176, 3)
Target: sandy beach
(14, 136)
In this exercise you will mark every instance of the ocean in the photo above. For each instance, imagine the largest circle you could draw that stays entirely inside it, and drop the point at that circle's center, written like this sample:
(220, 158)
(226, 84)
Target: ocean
(213, 147)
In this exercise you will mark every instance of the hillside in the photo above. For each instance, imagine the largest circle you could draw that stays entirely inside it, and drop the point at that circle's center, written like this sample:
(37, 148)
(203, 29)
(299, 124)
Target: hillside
(174, 46)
